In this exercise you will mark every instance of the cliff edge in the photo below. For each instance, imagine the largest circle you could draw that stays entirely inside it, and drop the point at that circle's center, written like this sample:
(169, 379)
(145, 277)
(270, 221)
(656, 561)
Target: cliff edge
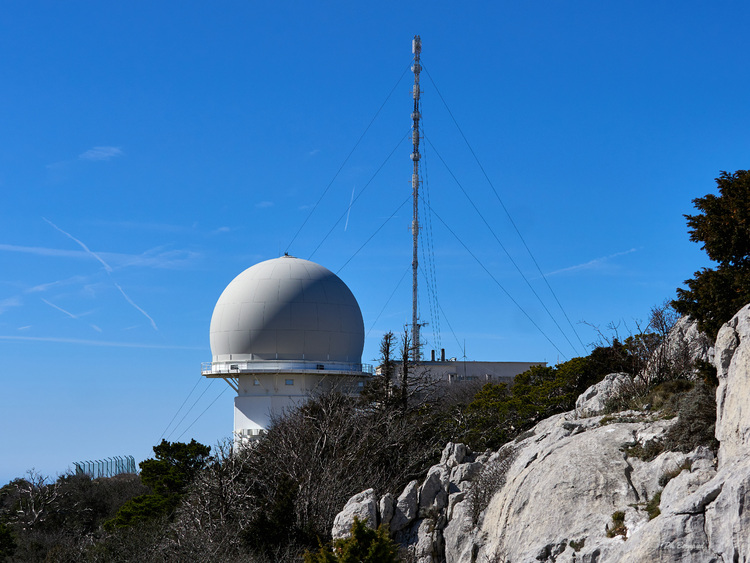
(582, 487)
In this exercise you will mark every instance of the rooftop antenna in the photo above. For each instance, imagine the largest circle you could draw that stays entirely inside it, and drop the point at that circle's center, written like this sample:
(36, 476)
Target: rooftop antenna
(416, 48)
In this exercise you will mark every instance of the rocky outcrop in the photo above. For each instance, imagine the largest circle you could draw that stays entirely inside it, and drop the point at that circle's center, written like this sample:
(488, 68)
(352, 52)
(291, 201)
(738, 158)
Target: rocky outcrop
(363, 506)
(575, 489)
(566, 485)
(686, 341)
(593, 401)
(732, 361)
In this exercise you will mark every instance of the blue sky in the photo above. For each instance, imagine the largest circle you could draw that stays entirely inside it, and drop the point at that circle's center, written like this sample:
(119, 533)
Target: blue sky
(152, 151)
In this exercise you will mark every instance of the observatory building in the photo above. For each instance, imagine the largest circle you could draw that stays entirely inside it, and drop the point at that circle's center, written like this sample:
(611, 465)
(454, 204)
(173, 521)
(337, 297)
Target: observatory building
(282, 330)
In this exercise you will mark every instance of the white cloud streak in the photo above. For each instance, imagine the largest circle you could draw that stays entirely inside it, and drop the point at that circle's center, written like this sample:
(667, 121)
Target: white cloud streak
(97, 342)
(109, 270)
(129, 300)
(45, 286)
(6, 304)
(150, 258)
(41, 251)
(591, 264)
(101, 153)
(349, 210)
(85, 248)
(71, 315)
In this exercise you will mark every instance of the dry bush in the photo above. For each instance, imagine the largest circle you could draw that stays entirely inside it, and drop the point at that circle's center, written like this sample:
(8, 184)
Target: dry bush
(696, 422)
(489, 481)
(332, 448)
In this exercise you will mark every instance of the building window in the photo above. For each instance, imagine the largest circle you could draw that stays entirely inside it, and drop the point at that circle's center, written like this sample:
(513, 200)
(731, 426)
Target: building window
(290, 381)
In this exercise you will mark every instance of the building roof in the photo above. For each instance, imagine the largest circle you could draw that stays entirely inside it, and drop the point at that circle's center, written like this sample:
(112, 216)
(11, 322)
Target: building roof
(287, 309)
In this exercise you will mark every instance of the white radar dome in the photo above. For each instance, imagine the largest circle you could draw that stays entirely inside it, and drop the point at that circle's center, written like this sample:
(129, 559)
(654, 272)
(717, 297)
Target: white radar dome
(287, 309)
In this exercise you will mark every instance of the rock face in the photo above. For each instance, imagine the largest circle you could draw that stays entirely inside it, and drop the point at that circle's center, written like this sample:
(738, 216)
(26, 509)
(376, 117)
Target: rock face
(686, 340)
(555, 495)
(593, 401)
(732, 360)
(363, 506)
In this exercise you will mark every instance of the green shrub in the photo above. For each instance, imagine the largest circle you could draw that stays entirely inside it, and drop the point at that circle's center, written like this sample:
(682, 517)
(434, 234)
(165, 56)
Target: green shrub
(706, 372)
(618, 525)
(7, 542)
(669, 475)
(578, 545)
(652, 506)
(648, 451)
(365, 545)
(168, 474)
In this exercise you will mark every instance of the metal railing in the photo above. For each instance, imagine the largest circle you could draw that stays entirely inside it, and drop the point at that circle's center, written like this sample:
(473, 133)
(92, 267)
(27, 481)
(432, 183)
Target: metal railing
(108, 467)
(281, 366)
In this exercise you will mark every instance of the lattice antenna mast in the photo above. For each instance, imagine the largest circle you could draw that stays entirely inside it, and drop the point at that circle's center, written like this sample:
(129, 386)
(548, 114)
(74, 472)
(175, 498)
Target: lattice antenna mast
(415, 116)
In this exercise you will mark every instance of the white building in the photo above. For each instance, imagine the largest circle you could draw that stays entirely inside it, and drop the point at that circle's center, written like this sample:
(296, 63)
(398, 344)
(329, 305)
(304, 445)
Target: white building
(454, 370)
(280, 331)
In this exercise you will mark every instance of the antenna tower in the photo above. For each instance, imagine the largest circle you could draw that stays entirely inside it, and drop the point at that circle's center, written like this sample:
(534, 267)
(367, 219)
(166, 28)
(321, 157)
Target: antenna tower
(416, 48)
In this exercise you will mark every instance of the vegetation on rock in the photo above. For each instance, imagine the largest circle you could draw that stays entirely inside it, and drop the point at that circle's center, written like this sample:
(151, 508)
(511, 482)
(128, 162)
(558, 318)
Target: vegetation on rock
(618, 527)
(365, 545)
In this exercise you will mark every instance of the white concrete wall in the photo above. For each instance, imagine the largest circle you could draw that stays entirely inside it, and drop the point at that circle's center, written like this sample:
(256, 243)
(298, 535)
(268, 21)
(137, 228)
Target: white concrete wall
(257, 402)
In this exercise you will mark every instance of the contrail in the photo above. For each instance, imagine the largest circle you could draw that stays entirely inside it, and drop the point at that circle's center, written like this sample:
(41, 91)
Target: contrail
(85, 248)
(109, 270)
(591, 263)
(129, 300)
(71, 315)
(350, 209)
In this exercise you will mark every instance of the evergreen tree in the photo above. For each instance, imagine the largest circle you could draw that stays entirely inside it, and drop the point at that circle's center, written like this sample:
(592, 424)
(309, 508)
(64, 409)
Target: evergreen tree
(168, 475)
(713, 296)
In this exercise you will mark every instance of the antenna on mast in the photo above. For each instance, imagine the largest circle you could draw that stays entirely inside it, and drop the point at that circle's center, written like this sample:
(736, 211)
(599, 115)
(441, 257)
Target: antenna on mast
(416, 47)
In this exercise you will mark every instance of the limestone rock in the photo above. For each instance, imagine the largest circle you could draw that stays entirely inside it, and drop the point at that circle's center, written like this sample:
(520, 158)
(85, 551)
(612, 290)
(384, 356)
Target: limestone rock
(677, 495)
(732, 360)
(685, 342)
(672, 538)
(420, 542)
(562, 488)
(386, 509)
(459, 534)
(453, 454)
(433, 493)
(594, 399)
(363, 506)
(464, 472)
(727, 518)
(406, 507)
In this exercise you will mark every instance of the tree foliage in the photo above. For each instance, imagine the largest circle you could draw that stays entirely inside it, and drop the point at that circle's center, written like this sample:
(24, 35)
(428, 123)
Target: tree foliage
(168, 475)
(714, 295)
